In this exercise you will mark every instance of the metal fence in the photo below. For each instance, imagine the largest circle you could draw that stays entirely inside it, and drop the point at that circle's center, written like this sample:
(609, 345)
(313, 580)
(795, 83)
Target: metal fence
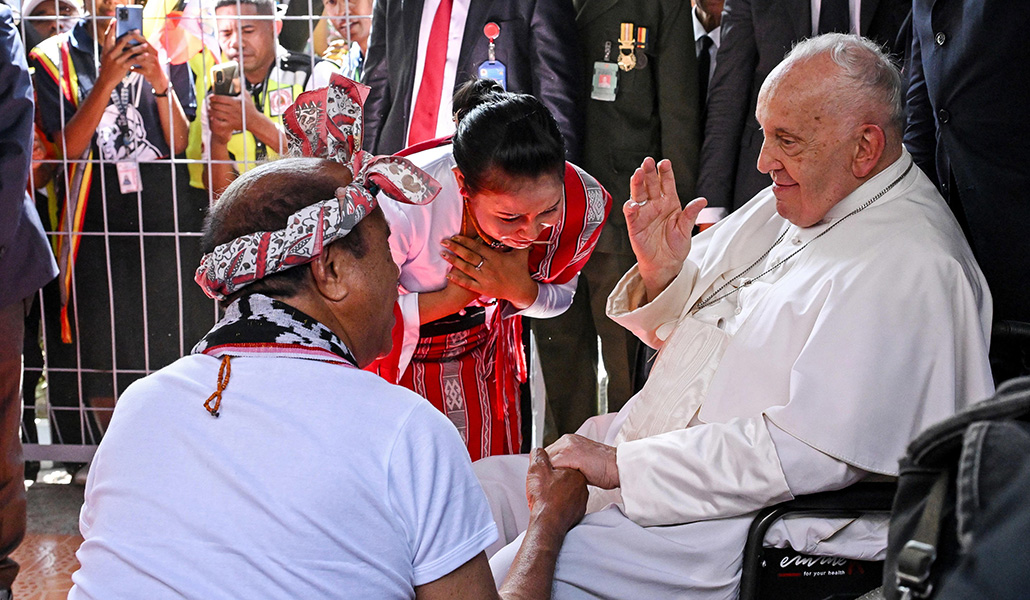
(125, 304)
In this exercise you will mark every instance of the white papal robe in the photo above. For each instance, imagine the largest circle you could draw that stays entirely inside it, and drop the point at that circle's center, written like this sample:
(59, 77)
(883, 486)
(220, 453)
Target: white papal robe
(814, 375)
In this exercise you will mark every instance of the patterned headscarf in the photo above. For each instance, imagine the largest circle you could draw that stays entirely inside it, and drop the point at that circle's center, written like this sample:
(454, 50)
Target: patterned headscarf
(322, 123)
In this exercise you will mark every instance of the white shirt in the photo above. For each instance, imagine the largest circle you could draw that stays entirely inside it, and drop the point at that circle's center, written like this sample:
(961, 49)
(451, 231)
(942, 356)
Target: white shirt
(708, 215)
(317, 481)
(415, 236)
(455, 34)
(854, 11)
(714, 34)
(856, 344)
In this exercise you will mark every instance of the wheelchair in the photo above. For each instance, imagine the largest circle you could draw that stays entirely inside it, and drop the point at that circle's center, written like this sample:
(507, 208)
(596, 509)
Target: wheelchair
(775, 574)
(782, 574)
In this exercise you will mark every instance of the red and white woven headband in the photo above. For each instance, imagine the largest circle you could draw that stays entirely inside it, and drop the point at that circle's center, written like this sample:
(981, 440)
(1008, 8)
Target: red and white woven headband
(322, 123)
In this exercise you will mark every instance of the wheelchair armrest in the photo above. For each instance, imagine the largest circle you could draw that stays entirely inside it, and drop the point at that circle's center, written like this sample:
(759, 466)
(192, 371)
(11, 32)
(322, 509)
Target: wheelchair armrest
(1011, 330)
(849, 502)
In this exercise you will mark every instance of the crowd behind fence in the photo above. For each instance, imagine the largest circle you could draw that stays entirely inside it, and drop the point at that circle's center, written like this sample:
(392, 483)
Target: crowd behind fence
(125, 214)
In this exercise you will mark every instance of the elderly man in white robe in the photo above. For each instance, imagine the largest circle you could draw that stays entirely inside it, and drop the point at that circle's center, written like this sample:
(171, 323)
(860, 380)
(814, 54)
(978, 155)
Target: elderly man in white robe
(803, 341)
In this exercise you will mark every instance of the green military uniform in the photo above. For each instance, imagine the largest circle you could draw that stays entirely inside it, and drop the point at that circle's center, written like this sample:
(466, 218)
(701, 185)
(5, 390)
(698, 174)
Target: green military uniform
(655, 113)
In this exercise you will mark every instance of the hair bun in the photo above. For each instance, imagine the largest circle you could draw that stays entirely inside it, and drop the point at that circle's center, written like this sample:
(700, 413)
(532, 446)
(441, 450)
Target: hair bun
(473, 93)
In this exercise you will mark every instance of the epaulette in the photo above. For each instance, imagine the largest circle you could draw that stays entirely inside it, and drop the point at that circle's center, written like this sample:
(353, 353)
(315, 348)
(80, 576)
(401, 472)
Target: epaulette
(297, 61)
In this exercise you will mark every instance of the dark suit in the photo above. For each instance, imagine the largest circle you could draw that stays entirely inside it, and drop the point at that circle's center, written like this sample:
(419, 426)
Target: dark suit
(969, 130)
(537, 45)
(756, 35)
(655, 113)
(26, 264)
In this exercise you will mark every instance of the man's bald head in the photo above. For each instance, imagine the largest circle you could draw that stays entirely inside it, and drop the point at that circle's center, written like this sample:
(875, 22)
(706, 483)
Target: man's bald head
(263, 199)
(858, 81)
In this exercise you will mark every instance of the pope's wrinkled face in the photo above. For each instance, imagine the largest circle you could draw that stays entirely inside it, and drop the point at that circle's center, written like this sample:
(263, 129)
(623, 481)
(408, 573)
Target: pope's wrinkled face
(809, 142)
(519, 214)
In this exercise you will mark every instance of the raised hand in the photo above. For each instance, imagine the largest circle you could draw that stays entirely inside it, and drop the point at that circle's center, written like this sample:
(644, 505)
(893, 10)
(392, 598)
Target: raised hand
(659, 230)
(489, 272)
(117, 57)
(148, 64)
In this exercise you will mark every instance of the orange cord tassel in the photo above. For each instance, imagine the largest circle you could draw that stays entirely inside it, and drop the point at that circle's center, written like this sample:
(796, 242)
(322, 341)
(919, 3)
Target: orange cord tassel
(224, 372)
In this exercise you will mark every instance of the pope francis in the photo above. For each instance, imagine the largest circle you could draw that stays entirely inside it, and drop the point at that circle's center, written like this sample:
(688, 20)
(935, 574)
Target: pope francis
(803, 341)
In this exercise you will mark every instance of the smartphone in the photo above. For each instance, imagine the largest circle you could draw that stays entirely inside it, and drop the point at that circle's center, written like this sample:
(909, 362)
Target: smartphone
(128, 17)
(224, 77)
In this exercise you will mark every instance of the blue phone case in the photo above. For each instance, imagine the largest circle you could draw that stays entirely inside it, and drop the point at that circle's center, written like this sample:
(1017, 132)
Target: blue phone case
(128, 18)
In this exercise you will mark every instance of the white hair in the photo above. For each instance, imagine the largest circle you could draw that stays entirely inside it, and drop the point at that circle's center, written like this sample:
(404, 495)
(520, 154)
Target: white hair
(874, 76)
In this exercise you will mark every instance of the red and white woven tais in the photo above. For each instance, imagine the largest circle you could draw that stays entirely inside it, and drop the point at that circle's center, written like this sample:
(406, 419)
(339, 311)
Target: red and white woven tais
(322, 123)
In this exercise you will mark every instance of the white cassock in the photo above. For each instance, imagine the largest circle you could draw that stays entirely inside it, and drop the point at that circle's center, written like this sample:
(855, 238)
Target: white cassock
(813, 376)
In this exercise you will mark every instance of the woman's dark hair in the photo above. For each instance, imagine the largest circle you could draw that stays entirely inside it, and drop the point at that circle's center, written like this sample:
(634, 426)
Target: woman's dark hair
(263, 199)
(502, 135)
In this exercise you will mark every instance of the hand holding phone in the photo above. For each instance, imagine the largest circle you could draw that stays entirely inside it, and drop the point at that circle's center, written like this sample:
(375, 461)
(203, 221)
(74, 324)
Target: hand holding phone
(225, 78)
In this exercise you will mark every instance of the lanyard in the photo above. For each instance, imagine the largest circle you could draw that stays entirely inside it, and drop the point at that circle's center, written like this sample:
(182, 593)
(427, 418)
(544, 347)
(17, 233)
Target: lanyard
(259, 94)
(121, 96)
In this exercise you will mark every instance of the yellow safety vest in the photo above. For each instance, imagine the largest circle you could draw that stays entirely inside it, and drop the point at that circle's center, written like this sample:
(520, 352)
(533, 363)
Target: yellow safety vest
(200, 65)
(281, 88)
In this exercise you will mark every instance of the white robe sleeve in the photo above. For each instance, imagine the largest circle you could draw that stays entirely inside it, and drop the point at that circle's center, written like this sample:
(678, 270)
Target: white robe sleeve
(718, 470)
(654, 321)
(552, 299)
(704, 472)
(808, 470)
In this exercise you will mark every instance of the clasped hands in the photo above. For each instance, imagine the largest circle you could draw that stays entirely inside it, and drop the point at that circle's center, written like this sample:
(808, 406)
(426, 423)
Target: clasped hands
(596, 461)
(659, 229)
(489, 272)
(556, 485)
(556, 494)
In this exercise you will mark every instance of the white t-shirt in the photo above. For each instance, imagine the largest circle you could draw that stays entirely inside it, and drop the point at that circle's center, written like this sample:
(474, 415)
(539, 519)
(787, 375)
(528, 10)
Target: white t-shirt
(317, 481)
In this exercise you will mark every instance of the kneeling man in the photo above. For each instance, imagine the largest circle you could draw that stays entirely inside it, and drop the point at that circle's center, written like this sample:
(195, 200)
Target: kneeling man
(267, 464)
(803, 341)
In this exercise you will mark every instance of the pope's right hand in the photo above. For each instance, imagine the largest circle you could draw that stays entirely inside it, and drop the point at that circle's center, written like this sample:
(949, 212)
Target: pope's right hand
(659, 230)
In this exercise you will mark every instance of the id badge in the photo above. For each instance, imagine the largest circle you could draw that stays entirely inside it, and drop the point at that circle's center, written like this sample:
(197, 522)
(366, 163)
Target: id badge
(606, 79)
(494, 69)
(280, 100)
(129, 180)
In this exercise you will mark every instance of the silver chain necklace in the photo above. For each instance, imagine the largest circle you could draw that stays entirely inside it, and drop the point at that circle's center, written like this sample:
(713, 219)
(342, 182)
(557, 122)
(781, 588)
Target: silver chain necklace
(715, 297)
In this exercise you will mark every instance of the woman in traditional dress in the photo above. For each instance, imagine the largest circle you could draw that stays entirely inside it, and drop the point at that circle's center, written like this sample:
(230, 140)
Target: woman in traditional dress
(507, 236)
